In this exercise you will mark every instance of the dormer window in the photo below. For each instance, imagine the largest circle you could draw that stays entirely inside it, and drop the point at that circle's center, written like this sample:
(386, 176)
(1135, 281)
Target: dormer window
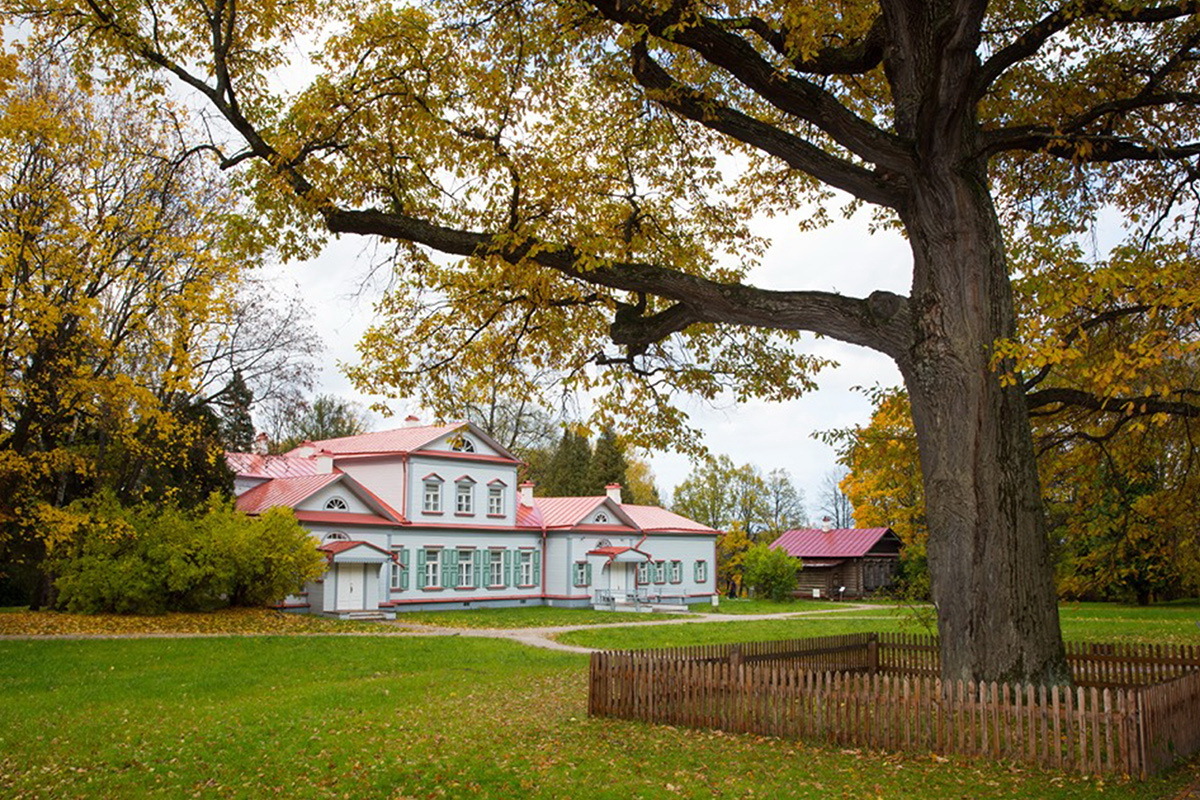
(432, 497)
(464, 496)
(461, 444)
(336, 504)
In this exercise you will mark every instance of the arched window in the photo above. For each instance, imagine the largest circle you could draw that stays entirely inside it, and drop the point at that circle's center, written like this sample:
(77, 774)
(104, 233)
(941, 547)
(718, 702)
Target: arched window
(461, 444)
(602, 517)
(336, 504)
(603, 543)
(335, 536)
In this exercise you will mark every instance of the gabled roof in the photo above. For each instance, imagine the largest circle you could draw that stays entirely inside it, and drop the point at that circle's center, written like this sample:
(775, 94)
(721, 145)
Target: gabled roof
(333, 548)
(567, 512)
(835, 543)
(253, 465)
(284, 492)
(290, 492)
(401, 440)
(620, 554)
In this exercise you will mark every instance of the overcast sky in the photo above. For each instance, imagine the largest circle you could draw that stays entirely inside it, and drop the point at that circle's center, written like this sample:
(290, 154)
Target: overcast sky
(844, 257)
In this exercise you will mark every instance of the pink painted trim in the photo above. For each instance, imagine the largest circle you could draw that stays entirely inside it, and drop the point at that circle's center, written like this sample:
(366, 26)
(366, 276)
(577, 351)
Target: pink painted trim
(459, 599)
(483, 457)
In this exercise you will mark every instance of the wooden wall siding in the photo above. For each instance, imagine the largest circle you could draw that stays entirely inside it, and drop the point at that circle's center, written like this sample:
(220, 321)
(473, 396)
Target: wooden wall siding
(881, 691)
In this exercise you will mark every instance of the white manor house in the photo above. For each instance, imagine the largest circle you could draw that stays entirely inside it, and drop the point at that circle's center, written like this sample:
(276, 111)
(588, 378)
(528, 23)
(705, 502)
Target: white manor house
(431, 517)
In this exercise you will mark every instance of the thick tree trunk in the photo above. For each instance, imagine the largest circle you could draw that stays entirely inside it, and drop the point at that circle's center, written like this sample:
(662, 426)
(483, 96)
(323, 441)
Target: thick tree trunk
(988, 554)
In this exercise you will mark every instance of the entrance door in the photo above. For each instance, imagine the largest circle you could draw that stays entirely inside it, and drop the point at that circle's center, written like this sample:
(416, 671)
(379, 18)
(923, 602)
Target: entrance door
(352, 587)
(618, 580)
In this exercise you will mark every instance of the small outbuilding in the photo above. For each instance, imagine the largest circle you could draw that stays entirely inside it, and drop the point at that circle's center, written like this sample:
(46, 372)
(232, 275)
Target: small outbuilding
(862, 560)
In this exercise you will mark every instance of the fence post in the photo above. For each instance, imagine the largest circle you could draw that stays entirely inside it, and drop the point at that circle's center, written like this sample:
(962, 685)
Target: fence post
(873, 654)
(735, 656)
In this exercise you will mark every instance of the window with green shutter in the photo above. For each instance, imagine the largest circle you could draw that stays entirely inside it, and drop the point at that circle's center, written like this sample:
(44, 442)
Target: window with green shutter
(660, 572)
(449, 567)
(643, 572)
(537, 568)
(587, 575)
(422, 575)
(404, 570)
(508, 568)
(701, 571)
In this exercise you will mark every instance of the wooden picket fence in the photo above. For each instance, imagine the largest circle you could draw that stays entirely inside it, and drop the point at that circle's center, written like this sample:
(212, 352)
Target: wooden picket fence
(1134, 711)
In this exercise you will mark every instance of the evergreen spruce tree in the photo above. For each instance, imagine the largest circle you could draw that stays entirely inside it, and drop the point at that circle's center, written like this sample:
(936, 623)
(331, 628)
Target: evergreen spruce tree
(237, 428)
(567, 475)
(608, 465)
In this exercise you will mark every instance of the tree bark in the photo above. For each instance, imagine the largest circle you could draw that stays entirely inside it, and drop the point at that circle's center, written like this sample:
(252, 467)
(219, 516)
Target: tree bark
(989, 559)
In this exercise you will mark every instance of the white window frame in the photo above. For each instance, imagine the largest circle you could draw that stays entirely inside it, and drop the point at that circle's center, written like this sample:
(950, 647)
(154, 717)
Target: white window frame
(701, 571)
(396, 567)
(525, 569)
(675, 574)
(433, 568)
(495, 568)
(495, 501)
(431, 502)
(337, 503)
(643, 573)
(466, 569)
(464, 497)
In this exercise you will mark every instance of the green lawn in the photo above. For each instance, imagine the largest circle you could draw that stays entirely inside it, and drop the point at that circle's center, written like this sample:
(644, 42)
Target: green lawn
(1168, 623)
(743, 605)
(401, 717)
(525, 617)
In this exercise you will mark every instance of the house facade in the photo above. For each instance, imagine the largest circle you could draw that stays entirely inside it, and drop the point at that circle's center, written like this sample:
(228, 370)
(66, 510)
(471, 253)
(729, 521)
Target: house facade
(860, 560)
(432, 517)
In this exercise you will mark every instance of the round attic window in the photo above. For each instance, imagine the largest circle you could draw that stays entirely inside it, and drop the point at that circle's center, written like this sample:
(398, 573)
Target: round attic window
(336, 504)
(601, 518)
(335, 536)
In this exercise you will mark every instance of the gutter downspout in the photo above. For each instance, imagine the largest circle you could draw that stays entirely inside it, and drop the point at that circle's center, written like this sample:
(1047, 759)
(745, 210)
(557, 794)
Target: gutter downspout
(404, 483)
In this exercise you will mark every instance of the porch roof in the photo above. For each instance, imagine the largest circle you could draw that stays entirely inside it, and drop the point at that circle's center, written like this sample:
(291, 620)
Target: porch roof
(354, 552)
(620, 554)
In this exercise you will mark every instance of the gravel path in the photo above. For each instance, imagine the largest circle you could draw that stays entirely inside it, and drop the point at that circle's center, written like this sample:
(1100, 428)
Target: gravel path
(544, 637)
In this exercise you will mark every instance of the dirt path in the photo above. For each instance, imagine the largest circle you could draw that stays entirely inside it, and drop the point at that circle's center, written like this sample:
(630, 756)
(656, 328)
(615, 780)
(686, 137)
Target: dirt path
(544, 637)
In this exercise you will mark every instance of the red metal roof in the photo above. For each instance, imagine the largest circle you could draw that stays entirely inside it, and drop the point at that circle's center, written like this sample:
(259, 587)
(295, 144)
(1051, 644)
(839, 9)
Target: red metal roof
(402, 440)
(836, 543)
(653, 518)
(565, 512)
(283, 492)
(332, 548)
(253, 465)
(528, 517)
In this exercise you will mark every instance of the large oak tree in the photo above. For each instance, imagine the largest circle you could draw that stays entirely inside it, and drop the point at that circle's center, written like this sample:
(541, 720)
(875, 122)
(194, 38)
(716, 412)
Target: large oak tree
(598, 159)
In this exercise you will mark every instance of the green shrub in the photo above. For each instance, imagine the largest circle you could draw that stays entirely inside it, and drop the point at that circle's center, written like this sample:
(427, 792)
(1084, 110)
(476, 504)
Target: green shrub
(147, 560)
(770, 571)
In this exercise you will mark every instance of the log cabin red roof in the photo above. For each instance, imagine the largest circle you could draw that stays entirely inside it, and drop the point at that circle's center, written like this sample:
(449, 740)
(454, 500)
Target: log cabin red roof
(835, 543)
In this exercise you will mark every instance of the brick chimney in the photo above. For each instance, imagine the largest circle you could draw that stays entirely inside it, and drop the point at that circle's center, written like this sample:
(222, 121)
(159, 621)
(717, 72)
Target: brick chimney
(526, 490)
(613, 490)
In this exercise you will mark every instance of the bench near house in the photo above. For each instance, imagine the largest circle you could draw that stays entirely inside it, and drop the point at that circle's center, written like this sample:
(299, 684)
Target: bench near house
(431, 517)
(860, 559)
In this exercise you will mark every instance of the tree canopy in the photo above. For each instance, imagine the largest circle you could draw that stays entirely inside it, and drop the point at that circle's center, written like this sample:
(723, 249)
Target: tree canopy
(592, 167)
